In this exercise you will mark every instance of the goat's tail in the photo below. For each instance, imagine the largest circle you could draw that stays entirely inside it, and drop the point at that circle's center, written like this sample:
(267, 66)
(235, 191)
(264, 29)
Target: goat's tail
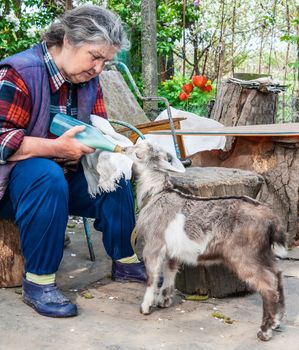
(278, 238)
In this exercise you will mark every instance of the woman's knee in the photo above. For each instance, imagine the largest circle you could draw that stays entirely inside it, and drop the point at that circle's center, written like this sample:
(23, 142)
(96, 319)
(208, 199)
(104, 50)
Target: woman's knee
(38, 173)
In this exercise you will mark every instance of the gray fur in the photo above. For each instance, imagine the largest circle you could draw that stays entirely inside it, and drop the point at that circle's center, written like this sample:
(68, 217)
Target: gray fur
(237, 230)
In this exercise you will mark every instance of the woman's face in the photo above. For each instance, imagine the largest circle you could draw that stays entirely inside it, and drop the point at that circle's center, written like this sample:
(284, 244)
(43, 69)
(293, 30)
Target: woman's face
(80, 64)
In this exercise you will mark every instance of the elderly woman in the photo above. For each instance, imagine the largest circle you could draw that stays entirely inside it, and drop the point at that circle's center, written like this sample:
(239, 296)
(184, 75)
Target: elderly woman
(59, 75)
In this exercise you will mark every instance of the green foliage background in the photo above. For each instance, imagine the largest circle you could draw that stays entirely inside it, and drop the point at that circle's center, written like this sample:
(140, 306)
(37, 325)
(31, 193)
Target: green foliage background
(32, 18)
(202, 28)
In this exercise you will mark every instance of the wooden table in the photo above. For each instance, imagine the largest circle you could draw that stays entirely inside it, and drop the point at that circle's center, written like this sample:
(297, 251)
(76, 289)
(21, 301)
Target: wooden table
(268, 149)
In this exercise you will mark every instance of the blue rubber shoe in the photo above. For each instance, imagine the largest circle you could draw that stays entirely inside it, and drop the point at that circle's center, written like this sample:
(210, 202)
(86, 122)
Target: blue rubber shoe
(48, 300)
(128, 272)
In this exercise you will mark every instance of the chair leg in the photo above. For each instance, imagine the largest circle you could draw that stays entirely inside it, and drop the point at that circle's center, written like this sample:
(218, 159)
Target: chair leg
(88, 238)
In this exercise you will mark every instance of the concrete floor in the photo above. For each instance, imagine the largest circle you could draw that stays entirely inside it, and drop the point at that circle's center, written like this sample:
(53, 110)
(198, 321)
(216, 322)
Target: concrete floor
(111, 318)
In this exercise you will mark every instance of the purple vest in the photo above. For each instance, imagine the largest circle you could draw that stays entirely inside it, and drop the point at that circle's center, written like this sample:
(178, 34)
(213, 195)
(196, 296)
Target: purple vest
(31, 67)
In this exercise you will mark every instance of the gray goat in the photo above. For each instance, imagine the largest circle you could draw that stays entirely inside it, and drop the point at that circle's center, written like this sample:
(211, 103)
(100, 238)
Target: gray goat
(180, 228)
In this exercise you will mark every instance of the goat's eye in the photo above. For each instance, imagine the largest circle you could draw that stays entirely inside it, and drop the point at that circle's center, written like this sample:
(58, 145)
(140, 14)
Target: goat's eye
(139, 155)
(169, 158)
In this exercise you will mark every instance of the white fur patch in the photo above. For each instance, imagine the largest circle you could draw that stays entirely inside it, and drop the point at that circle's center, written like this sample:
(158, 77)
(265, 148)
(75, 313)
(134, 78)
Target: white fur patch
(279, 251)
(179, 245)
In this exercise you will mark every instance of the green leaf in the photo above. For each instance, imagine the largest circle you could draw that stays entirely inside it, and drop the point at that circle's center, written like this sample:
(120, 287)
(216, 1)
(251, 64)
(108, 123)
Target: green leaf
(197, 297)
(223, 317)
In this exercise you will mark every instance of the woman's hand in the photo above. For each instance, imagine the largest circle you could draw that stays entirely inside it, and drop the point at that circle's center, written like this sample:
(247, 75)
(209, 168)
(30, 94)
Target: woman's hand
(65, 146)
(70, 148)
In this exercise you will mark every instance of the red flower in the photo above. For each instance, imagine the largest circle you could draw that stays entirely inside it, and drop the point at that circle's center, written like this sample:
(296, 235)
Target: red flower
(183, 96)
(188, 88)
(199, 80)
(208, 88)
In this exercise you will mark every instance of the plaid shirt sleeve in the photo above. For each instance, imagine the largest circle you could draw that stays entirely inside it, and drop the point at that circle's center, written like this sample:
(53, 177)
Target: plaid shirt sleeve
(15, 106)
(99, 106)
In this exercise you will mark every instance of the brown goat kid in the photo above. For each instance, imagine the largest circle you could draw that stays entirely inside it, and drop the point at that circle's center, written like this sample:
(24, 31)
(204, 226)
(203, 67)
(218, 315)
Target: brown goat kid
(179, 228)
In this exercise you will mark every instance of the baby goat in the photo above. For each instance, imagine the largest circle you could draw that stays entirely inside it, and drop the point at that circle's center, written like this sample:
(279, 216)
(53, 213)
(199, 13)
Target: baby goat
(181, 228)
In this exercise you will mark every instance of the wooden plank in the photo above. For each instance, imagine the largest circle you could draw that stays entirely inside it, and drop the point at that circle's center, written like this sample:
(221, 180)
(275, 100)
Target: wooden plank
(281, 130)
(153, 124)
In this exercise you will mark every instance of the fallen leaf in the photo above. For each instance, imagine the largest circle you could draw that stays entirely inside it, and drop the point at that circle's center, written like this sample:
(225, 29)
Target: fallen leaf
(197, 297)
(87, 295)
(18, 290)
(220, 316)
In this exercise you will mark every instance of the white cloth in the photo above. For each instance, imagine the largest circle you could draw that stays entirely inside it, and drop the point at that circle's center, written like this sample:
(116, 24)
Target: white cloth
(192, 144)
(103, 169)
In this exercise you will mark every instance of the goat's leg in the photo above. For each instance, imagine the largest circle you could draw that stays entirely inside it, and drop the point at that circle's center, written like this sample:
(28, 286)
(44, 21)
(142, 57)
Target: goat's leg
(167, 289)
(263, 279)
(153, 264)
(281, 304)
(270, 307)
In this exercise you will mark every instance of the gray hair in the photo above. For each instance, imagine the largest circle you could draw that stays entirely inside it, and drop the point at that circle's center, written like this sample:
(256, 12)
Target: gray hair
(87, 24)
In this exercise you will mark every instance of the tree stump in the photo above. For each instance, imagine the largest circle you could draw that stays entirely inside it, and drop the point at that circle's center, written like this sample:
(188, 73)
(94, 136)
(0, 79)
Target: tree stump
(215, 280)
(11, 260)
(239, 102)
(277, 160)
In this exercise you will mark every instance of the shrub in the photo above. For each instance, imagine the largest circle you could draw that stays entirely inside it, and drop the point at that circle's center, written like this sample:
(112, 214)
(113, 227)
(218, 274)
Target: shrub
(195, 102)
(20, 27)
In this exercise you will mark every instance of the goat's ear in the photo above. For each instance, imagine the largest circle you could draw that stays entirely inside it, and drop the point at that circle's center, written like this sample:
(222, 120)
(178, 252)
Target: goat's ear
(173, 164)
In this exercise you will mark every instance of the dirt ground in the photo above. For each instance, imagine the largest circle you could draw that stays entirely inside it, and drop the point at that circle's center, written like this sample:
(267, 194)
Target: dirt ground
(109, 315)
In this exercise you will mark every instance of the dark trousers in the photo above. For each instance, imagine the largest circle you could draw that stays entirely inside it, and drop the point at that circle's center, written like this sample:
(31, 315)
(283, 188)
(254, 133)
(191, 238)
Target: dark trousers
(39, 199)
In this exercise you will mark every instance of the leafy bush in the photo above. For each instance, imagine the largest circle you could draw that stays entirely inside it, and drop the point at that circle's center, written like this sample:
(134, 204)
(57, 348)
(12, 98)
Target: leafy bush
(21, 27)
(196, 103)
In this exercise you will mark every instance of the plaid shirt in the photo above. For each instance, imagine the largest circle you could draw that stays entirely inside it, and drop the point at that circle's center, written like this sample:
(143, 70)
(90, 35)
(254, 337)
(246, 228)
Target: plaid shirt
(15, 103)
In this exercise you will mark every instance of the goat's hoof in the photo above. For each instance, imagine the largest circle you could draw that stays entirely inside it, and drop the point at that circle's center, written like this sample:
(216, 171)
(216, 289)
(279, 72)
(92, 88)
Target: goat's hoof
(165, 303)
(277, 321)
(145, 310)
(276, 325)
(265, 336)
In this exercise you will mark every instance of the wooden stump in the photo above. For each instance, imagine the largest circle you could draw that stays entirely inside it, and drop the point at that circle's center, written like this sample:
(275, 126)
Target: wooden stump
(236, 104)
(277, 160)
(216, 281)
(206, 278)
(11, 260)
(239, 105)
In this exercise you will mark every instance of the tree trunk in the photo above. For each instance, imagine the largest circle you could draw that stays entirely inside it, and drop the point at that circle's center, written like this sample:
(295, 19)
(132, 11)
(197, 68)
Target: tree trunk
(286, 61)
(233, 36)
(149, 55)
(184, 38)
(221, 46)
(18, 4)
(11, 260)
(170, 66)
(296, 70)
(68, 5)
(163, 68)
(195, 55)
(272, 37)
(261, 51)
